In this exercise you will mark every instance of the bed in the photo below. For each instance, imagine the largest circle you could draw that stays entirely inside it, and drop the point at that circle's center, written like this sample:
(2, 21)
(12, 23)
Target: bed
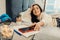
(49, 33)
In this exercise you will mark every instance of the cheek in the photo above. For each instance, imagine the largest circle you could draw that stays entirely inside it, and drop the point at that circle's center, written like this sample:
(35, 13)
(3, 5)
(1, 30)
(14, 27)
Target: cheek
(37, 13)
(38, 10)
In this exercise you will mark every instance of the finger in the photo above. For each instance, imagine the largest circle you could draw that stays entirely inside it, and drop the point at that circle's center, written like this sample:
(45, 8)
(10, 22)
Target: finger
(35, 28)
(38, 28)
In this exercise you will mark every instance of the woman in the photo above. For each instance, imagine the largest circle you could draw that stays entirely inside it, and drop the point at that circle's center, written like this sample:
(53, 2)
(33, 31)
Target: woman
(37, 17)
(41, 19)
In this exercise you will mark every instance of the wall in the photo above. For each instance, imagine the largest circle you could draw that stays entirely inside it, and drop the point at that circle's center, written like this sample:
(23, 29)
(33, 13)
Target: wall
(19, 6)
(2, 7)
(52, 6)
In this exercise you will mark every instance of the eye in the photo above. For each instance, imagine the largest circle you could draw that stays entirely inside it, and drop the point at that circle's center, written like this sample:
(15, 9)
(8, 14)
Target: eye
(33, 8)
(37, 8)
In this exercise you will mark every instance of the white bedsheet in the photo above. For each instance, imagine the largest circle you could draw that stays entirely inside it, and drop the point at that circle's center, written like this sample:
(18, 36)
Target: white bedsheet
(48, 33)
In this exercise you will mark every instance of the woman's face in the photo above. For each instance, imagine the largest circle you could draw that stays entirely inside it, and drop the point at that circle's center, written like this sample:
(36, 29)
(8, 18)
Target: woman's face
(36, 10)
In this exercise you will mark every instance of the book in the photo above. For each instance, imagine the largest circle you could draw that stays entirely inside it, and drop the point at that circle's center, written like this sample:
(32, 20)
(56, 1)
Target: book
(26, 31)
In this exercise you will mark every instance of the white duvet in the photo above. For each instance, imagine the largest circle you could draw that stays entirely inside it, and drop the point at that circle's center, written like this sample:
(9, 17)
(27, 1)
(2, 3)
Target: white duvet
(48, 33)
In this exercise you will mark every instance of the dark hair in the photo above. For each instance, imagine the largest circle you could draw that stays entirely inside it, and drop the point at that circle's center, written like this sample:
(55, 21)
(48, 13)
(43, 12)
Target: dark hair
(18, 16)
(38, 6)
(7, 22)
(34, 17)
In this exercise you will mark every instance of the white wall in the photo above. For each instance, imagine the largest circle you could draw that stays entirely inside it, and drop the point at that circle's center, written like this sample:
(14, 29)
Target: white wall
(2, 6)
(52, 6)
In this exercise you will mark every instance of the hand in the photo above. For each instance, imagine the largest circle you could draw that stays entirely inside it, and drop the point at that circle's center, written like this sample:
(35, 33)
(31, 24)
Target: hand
(33, 24)
(37, 27)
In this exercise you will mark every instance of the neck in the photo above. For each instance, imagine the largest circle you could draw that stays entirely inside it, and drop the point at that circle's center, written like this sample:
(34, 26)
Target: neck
(38, 17)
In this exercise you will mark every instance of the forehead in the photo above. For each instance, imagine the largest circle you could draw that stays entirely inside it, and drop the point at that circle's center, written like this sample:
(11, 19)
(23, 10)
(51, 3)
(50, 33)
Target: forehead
(35, 6)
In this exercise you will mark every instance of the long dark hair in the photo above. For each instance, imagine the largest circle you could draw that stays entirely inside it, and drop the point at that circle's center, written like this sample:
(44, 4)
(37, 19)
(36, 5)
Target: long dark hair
(34, 17)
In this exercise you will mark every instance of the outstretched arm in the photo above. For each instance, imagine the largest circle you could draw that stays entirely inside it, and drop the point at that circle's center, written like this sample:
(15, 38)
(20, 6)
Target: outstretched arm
(38, 25)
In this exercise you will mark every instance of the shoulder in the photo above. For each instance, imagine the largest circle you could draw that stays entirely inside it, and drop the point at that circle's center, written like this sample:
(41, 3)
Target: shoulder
(46, 17)
(44, 14)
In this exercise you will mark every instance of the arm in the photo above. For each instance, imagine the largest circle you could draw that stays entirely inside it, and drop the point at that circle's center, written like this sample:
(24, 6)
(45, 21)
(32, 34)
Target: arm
(38, 25)
(41, 23)
(46, 21)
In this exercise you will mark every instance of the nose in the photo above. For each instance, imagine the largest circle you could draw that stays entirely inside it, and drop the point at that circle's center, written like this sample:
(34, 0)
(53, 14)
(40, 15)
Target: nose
(35, 10)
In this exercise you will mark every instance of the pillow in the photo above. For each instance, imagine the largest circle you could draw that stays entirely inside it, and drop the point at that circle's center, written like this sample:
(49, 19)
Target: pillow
(4, 17)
